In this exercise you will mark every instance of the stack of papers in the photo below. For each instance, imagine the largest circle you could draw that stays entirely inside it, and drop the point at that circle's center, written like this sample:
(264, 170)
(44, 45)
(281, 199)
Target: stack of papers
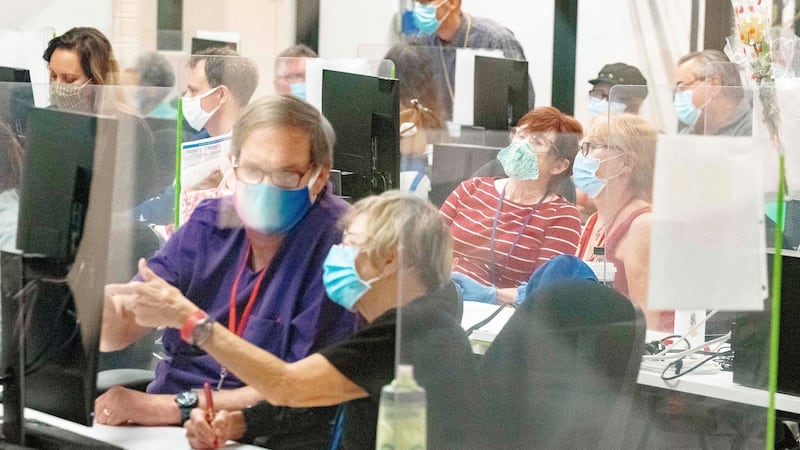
(474, 312)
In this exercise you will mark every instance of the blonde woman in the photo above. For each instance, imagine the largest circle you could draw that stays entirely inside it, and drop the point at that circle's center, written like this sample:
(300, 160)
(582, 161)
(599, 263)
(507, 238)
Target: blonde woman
(615, 169)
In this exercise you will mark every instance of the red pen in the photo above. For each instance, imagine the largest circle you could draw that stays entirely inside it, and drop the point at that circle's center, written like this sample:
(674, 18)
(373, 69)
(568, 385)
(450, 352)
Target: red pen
(209, 407)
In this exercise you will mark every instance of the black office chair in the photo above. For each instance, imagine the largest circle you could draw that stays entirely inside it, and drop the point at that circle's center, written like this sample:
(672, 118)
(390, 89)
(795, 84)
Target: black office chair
(562, 372)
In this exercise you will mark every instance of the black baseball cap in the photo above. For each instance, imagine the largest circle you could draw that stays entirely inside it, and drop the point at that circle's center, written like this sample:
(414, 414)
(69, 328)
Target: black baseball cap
(619, 73)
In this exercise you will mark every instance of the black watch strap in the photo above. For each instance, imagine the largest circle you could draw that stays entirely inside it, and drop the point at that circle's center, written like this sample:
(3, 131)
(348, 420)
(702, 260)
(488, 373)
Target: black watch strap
(186, 401)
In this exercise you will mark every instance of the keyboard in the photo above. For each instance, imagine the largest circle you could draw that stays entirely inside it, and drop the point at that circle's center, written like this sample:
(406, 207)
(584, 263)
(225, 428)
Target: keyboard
(41, 435)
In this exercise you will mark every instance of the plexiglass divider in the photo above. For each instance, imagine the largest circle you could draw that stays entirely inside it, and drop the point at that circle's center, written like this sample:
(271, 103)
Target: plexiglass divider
(681, 216)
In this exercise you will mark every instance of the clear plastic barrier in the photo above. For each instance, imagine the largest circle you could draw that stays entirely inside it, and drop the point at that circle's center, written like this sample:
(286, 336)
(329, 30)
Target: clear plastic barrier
(681, 236)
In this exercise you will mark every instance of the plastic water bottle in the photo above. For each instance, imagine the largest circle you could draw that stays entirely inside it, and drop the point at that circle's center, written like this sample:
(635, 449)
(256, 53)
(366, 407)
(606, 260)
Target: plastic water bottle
(604, 270)
(402, 414)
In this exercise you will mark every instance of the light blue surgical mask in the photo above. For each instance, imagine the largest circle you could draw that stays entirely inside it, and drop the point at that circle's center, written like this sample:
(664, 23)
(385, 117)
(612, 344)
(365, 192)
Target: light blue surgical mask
(425, 17)
(298, 90)
(519, 160)
(584, 174)
(269, 209)
(602, 106)
(684, 108)
(342, 282)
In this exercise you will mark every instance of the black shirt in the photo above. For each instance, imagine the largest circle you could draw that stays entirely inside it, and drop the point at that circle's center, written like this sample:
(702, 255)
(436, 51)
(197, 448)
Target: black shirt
(435, 344)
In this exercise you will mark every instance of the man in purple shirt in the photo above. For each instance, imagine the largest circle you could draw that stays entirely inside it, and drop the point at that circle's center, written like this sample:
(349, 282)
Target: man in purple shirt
(261, 249)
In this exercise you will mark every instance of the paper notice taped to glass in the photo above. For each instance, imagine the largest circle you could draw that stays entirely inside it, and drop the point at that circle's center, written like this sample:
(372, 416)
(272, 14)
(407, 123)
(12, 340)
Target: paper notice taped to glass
(708, 239)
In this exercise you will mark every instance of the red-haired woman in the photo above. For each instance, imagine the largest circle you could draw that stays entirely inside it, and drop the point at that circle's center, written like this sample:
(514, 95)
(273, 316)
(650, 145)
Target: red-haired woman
(504, 228)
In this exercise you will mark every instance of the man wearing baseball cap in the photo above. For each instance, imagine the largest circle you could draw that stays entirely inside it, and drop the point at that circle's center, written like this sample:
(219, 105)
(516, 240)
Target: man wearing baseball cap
(627, 100)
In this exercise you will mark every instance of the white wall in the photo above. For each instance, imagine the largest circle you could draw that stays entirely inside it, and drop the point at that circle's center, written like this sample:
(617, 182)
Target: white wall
(58, 14)
(345, 25)
(650, 35)
(36, 21)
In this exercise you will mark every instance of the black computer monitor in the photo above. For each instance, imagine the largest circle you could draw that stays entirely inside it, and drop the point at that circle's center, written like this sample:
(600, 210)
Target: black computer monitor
(56, 177)
(501, 92)
(454, 163)
(14, 75)
(200, 44)
(365, 114)
(52, 323)
(16, 98)
(751, 334)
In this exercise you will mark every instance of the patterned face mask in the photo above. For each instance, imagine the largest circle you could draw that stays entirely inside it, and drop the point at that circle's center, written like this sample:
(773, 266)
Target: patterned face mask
(68, 96)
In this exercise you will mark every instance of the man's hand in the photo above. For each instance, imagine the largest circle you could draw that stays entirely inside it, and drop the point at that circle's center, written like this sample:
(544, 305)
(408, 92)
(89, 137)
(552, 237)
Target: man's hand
(225, 426)
(153, 302)
(121, 406)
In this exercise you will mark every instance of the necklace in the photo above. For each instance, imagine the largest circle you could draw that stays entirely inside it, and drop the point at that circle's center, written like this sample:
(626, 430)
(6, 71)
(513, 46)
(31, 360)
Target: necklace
(599, 234)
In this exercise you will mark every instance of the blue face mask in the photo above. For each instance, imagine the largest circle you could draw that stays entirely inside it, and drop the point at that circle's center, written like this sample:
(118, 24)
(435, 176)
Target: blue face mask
(298, 90)
(269, 209)
(684, 108)
(601, 106)
(584, 174)
(339, 275)
(519, 160)
(425, 18)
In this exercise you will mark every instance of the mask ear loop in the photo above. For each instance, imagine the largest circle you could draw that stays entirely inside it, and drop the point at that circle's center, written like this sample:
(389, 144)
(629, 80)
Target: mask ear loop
(311, 181)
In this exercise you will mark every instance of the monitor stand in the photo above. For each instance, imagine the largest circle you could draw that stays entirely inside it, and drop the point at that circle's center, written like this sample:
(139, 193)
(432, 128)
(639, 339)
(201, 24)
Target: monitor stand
(17, 269)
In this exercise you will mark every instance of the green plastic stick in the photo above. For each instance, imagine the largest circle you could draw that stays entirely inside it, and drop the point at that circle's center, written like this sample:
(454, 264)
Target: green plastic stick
(775, 325)
(178, 142)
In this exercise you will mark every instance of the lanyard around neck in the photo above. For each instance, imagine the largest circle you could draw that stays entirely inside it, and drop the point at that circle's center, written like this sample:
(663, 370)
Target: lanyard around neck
(250, 301)
(519, 234)
(450, 89)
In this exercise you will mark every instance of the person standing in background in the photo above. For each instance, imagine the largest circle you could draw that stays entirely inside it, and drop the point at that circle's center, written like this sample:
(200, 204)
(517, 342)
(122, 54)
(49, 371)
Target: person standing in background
(443, 24)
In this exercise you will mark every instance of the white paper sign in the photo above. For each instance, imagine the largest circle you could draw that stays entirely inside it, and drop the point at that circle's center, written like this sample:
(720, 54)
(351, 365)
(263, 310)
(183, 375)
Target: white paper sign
(463, 103)
(685, 320)
(708, 240)
(787, 96)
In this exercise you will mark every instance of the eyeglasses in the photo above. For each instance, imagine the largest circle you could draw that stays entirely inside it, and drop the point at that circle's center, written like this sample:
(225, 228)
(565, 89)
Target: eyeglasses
(536, 139)
(284, 179)
(353, 239)
(588, 147)
(598, 94)
(292, 77)
(682, 86)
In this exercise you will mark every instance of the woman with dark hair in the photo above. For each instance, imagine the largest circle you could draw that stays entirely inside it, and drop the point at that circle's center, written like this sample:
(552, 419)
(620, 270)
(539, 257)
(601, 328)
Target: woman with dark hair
(419, 113)
(10, 177)
(84, 77)
(418, 94)
(77, 58)
(505, 228)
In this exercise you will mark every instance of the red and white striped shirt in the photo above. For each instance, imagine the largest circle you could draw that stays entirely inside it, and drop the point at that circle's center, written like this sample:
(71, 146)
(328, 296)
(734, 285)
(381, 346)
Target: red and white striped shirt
(553, 229)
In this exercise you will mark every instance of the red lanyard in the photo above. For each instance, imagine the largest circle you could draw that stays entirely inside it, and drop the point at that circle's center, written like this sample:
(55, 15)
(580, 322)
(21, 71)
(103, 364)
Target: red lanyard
(250, 302)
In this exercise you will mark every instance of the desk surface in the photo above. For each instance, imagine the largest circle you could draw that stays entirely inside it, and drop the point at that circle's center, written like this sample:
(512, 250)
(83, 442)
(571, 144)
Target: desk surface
(130, 437)
(718, 385)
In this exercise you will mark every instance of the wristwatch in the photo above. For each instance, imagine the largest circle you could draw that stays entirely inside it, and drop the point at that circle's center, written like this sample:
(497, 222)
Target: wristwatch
(187, 401)
(197, 328)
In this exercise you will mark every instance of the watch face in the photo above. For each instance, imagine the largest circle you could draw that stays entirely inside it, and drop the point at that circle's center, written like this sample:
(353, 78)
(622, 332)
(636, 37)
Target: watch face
(186, 399)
